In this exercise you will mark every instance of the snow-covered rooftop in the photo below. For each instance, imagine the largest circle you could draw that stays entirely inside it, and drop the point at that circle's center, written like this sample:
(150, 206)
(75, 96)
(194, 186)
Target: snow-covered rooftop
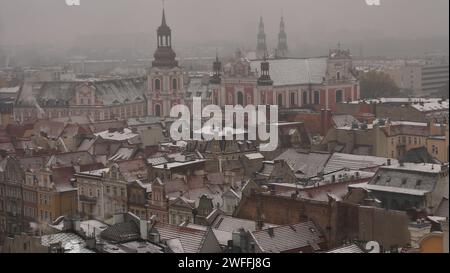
(407, 191)
(126, 134)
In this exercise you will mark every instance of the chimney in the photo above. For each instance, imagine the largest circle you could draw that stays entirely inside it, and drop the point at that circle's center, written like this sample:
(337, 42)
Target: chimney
(271, 232)
(259, 223)
(154, 237)
(76, 225)
(91, 243)
(325, 121)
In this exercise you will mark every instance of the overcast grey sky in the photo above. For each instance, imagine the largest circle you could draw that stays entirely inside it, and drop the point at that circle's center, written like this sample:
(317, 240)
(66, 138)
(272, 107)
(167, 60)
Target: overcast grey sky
(201, 21)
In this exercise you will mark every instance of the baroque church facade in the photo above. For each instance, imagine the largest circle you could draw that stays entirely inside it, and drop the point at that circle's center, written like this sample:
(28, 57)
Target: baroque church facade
(290, 83)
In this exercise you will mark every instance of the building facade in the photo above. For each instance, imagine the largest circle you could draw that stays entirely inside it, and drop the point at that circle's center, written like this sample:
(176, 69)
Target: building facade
(287, 82)
(98, 99)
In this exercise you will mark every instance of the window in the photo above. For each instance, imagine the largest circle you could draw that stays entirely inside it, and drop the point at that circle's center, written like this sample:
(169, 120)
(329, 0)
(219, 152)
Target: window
(174, 84)
(240, 98)
(157, 110)
(435, 150)
(316, 97)
(107, 189)
(409, 140)
(280, 100)
(158, 85)
(122, 192)
(339, 96)
(305, 98)
(418, 182)
(415, 141)
(292, 99)
(338, 75)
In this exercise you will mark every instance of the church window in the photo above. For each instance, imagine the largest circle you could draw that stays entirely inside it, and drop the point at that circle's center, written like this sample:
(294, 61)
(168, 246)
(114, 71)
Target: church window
(157, 84)
(305, 98)
(339, 96)
(174, 84)
(240, 98)
(157, 110)
(316, 97)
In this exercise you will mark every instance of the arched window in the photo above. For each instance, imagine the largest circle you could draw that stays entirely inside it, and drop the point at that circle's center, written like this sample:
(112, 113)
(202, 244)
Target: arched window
(157, 84)
(157, 110)
(240, 98)
(280, 100)
(339, 96)
(292, 99)
(174, 84)
(305, 98)
(316, 97)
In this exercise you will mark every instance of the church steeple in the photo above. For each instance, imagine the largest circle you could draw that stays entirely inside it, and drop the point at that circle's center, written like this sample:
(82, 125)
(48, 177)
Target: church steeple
(261, 47)
(164, 55)
(217, 68)
(282, 49)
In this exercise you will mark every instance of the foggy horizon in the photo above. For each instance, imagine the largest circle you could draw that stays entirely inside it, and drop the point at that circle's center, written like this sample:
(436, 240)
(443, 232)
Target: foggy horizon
(311, 27)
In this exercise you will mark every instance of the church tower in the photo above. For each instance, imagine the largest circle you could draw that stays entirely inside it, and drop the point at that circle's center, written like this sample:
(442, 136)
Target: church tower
(265, 84)
(261, 46)
(216, 80)
(282, 49)
(165, 80)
